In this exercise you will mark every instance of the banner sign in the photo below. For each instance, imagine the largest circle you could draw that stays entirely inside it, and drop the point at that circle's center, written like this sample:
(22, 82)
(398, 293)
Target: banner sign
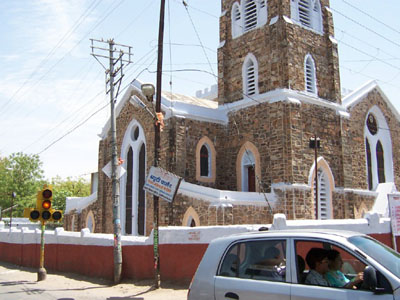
(162, 183)
(394, 209)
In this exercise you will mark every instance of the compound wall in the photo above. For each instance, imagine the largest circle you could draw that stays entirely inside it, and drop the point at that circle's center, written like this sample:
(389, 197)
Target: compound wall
(181, 248)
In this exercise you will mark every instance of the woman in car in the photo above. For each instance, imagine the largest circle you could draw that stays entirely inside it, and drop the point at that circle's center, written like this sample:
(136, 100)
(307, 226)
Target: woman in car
(335, 277)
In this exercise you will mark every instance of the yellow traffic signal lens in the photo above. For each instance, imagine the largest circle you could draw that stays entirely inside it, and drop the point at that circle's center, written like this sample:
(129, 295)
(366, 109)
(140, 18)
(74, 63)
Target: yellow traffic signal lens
(47, 193)
(46, 204)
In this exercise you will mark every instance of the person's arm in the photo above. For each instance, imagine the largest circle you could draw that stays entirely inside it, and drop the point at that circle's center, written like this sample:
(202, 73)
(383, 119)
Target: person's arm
(353, 283)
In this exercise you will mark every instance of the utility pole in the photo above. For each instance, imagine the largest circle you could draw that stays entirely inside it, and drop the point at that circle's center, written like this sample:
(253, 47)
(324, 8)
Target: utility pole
(157, 142)
(111, 74)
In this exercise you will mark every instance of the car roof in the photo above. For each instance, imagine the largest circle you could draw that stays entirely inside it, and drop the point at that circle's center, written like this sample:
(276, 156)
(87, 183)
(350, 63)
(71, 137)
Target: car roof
(300, 233)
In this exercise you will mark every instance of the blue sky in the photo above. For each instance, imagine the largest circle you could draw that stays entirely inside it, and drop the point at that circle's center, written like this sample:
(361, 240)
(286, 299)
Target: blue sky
(52, 93)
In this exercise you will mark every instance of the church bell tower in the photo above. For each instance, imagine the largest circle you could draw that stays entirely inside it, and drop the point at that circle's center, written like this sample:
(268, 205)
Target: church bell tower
(267, 45)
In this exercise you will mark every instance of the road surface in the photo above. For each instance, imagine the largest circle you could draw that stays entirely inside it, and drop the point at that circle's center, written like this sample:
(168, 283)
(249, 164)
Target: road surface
(19, 283)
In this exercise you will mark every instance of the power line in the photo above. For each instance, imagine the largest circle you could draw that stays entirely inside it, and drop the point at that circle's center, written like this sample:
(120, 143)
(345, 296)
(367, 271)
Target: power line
(372, 17)
(366, 27)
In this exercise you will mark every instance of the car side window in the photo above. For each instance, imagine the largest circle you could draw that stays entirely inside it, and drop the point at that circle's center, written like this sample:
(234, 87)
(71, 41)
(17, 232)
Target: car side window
(343, 269)
(258, 260)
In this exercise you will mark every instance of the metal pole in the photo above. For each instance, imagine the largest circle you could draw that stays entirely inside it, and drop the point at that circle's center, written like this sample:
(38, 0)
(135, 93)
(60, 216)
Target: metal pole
(316, 175)
(157, 144)
(41, 275)
(13, 195)
(114, 179)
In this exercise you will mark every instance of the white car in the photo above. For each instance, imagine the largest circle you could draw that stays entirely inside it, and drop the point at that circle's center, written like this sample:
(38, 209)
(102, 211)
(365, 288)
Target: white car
(239, 267)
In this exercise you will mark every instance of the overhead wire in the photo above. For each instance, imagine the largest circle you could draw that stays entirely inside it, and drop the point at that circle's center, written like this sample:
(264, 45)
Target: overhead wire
(52, 51)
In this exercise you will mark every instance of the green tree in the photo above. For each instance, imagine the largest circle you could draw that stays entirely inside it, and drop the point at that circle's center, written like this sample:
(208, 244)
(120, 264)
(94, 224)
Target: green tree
(20, 173)
(63, 188)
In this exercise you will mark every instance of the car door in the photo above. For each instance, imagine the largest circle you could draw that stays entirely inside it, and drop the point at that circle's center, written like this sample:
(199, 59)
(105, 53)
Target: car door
(253, 269)
(352, 265)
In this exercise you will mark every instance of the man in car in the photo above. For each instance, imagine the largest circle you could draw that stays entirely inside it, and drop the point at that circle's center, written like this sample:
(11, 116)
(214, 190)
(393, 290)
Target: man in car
(317, 260)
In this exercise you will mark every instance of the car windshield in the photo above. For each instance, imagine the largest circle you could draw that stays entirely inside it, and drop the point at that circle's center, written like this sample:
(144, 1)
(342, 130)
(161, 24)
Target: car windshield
(386, 256)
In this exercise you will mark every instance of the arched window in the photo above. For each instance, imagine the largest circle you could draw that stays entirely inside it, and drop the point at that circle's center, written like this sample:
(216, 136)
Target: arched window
(380, 162)
(248, 172)
(132, 195)
(378, 154)
(205, 160)
(141, 198)
(250, 75)
(324, 196)
(310, 75)
(250, 15)
(307, 13)
(90, 223)
(128, 192)
(236, 19)
(369, 164)
(262, 13)
(191, 218)
(325, 189)
(248, 168)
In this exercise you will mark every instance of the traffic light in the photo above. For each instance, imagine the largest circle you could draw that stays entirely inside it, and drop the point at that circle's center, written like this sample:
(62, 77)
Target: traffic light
(43, 211)
(44, 205)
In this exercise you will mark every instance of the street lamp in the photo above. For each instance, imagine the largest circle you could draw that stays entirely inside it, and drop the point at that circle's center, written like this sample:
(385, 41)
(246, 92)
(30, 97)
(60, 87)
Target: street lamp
(148, 91)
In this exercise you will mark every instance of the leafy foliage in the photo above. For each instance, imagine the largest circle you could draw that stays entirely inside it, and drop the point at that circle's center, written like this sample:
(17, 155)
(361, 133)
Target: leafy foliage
(22, 174)
(68, 188)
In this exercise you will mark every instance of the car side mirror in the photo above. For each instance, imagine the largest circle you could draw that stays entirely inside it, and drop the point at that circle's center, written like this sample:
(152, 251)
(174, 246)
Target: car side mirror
(370, 282)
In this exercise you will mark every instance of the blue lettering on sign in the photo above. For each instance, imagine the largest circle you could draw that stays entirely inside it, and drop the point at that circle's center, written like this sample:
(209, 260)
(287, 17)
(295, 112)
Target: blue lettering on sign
(166, 183)
(155, 179)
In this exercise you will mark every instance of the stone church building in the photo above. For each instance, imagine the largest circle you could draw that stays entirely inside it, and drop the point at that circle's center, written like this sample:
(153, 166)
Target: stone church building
(246, 152)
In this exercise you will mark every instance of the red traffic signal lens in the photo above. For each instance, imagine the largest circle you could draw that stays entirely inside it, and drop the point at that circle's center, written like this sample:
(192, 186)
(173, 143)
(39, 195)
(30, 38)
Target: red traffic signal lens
(46, 204)
(47, 193)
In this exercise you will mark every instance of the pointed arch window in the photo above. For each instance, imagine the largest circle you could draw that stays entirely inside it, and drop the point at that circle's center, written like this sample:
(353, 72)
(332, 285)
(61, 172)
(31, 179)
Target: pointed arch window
(381, 162)
(204, 161)
(236, 20)
(325, 188)
(248, 170)
(379, 155)
(132, 195)
(324, 201)
(307, 13)
(310, 75)
(250, 15)
(369, 164)
(141, 193)
(128, 192)
(250, 75)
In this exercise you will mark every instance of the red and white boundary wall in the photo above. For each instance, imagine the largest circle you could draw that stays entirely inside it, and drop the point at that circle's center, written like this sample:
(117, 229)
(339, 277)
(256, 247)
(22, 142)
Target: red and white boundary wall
(181, 248)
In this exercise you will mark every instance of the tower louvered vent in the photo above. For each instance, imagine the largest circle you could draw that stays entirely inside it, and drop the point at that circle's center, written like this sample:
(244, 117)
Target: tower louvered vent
(250, 15)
